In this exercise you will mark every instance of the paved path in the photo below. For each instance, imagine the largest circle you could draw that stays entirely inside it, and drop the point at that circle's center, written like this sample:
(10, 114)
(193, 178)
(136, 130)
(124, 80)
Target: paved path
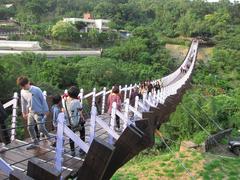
(52, 54)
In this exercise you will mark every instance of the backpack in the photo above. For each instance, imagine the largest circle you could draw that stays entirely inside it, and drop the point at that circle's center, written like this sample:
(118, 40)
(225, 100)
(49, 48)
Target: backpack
(73, 114)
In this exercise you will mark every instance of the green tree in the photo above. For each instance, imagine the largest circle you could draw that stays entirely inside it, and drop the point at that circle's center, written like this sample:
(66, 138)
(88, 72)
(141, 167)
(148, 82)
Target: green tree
(64, 31)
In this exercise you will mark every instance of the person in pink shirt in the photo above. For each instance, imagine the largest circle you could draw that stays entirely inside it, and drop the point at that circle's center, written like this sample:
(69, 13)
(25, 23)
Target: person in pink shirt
(115, 97)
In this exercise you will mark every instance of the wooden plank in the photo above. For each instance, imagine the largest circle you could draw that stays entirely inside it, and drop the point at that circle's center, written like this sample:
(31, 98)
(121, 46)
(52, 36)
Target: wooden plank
(147, 139)
(44, 155)
(18, 175)
(39, 171)
(96, 161)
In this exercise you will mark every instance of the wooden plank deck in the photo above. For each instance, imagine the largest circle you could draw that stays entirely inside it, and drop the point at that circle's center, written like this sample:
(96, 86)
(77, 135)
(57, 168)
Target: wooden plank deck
(18, 156)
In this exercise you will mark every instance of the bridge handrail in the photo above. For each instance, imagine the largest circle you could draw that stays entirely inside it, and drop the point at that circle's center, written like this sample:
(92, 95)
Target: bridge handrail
(14, 104)
(63, 129)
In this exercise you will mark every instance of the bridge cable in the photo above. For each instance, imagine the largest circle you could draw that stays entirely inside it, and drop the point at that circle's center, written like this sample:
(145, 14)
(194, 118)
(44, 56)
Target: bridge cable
(204, 129)
(169, 148)
(204, 112)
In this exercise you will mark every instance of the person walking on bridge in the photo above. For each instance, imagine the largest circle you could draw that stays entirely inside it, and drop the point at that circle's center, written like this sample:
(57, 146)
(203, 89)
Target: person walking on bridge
(74, 116)
(115, 97)
(34, 108)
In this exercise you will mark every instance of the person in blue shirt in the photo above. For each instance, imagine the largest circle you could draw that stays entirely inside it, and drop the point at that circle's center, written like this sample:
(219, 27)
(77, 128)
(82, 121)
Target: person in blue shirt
(34, 109)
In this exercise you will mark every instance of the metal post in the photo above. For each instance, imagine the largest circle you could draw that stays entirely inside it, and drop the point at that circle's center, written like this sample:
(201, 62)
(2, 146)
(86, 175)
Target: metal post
(14, 116)
(113, 119)
(93, 123)
(103, 99)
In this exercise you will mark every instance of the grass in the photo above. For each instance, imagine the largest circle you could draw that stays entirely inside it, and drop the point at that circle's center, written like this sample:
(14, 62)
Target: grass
(166, 166)
(221, 168)
(179, 51)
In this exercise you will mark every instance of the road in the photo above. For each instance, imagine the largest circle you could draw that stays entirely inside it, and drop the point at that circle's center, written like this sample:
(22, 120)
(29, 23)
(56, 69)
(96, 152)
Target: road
(52, 54)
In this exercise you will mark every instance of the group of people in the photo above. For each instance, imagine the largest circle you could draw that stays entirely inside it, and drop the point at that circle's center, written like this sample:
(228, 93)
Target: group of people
(35, 110)
(184, 68)
(148, 87)
(145, 88)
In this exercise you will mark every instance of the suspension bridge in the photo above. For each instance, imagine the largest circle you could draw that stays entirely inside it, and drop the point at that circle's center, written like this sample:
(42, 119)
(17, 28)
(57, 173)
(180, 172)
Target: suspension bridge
(106, 149)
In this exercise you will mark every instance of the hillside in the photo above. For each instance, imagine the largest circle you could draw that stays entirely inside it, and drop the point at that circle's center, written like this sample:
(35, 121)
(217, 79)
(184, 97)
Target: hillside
(180, 165)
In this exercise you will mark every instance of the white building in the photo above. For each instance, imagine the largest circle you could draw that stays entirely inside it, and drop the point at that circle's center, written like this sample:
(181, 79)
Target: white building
(100, 24)
(8, 5)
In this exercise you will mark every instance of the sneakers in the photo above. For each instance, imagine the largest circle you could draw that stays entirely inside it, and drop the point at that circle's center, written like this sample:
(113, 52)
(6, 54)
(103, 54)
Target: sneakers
(3, 148)
(118, 129)
(72, 153)
(34, 145)
(81, 152)
(54, 144)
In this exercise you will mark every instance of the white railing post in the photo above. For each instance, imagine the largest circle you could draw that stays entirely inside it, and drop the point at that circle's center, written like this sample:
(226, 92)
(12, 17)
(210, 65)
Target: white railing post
(120, 89)
(45, 94)
(60, 139)
(136, 104)
(94, 97)
(144, 98)
(14, 116)
(126, 113)
(125, 93)
(130, 91)
(103, 100)
(93, 123)
(150, 97)
(113, 119)
(81, 96)
(158, 96)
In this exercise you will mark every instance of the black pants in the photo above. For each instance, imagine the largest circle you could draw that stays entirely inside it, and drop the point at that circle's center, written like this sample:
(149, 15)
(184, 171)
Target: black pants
(82, 137)
(37, 132)
(117, 121)
(4, 133)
